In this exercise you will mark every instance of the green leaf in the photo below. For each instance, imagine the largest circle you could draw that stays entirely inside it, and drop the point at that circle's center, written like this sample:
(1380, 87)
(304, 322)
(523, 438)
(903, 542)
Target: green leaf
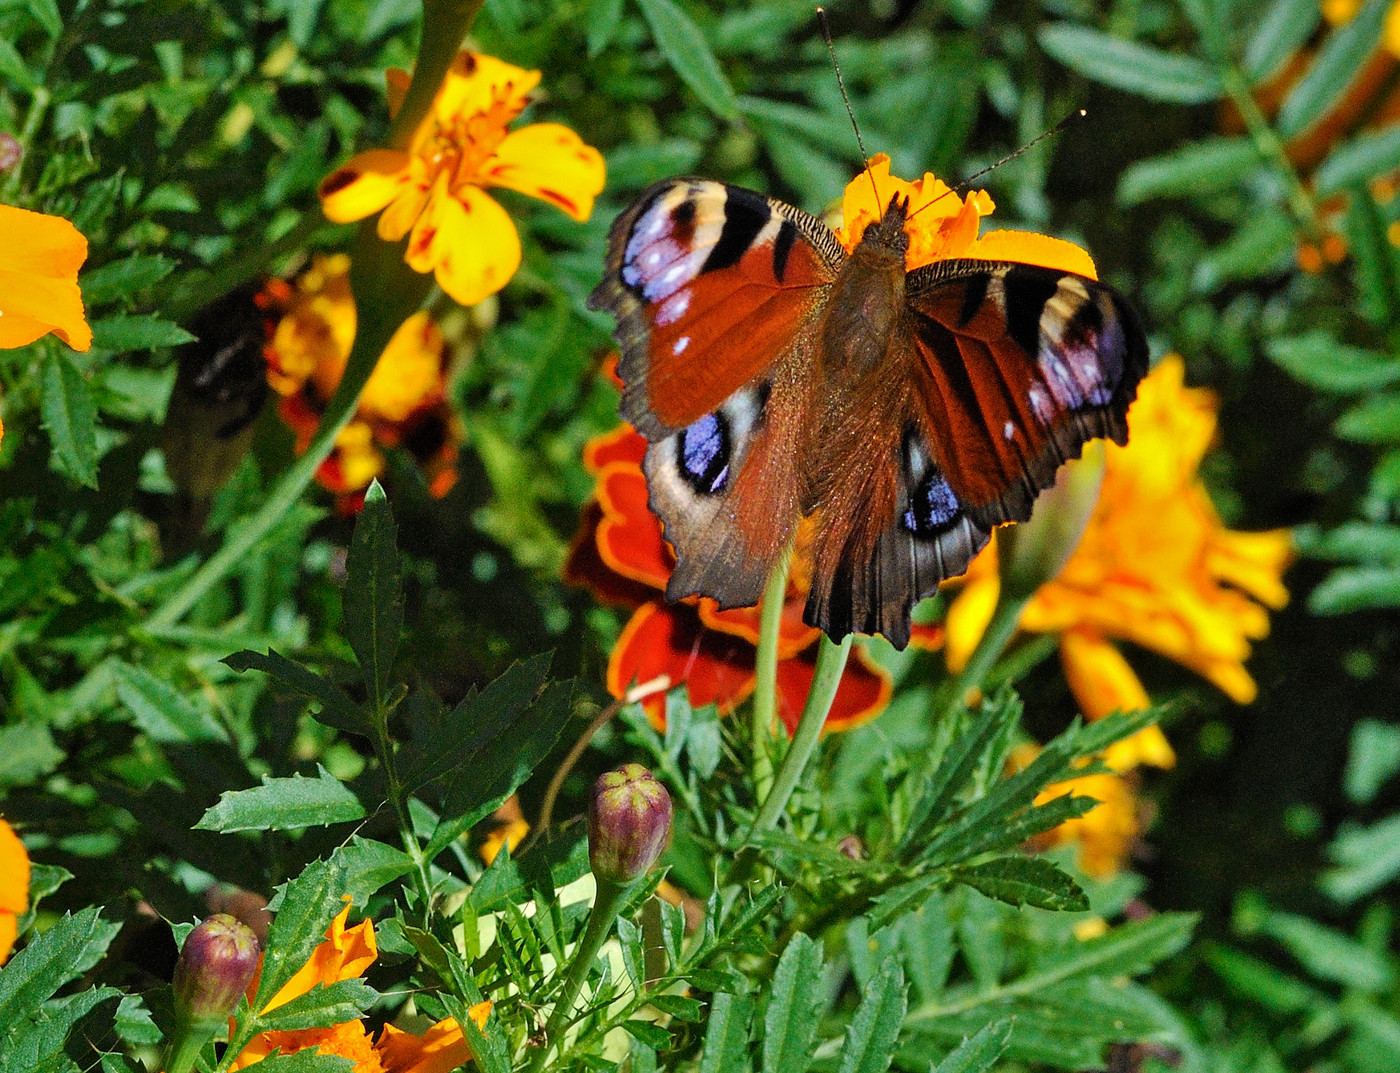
(1124, 951)
(160, 711)
(13, 68)
(1375, 420)
(1025, 881)
(284, 805)
(489, 1046)
(1336, 64)
(1261, 982)
(1320, 361)
(346, 1000)
(1134, 68)
(1283, 30)
(305, 907)
(790, 1022)
(1373, 760)
(374, 593)
(337, 709)
(70, 417)
(140, 331)
(631, 167)
(1373, 258)
(1367, 156)
(601, 19)
(46, 14)
(301, 19)
(306, 1061)
(1202, 167)
(370, 865)
(1366, 858)
(1328, 954)
(871, 1035)
(122, 279)
(727, 1034)
(63, 953)
(1261, 245)
(27, 753)
(979, 1052)
(680, 1007)
(1356, 588)
(686, 50)
(650, 1033)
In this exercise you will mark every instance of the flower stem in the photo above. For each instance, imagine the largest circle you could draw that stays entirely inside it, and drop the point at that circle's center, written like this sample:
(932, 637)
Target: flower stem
(190, 1039)
(765, 692)
(600, 922)
(445, 23)
(831, 662)
(989, 649)
(387, 291)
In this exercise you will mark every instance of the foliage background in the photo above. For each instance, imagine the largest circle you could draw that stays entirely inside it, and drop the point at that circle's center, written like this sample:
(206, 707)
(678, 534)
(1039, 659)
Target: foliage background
(186, 140)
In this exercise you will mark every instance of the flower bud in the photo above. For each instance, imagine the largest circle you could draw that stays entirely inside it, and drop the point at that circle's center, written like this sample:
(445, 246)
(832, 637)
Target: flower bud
(1034, 552)
(629, 824)
(216, 964)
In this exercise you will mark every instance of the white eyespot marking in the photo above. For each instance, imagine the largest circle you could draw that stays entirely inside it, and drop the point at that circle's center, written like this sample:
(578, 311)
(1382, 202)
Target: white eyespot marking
(1041, 405)
(680, 344)
(673, 308)
(1008, 430)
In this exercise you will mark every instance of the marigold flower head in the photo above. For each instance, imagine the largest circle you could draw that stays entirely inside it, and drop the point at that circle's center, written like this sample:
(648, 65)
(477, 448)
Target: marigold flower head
(403, 404)
(39, 260)
(345, 954)
(436, 188)
(14, 887)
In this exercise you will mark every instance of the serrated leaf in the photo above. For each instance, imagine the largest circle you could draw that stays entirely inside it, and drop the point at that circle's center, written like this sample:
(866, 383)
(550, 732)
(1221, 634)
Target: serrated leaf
(1337, 62)
(489, 1046)
(680, 1007)
(1025, 881)
(369, 866)
(284, 805)
(374, 592)
(650, 1033)
(1264, 243)
(1129, 66)
(1328, 954)
(689, 55)
(871, 1035)
(70, 417)
(46, 14)
(337, 709)
(305, 907)
(160, 711)
(139, 331)
(121, 279)
(1367, 156)
(790, 1022)
(1373, 257)
(13, 68)
(322, 1006)
(1374, 756)
(1283, 30)
(1197, 168)
(301, 19)
(727, 1034)
(1365, 858)
(306, 1061)
(979, 1052)
(63, 953)
(1323, 363)
(1261, 982)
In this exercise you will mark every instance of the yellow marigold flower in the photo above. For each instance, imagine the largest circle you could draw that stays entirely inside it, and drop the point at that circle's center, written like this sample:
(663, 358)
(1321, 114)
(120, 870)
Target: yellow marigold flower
(437, 186)
(14, 887)
(346, 953)
(1155, 567)
(509, 834)
(39, 260)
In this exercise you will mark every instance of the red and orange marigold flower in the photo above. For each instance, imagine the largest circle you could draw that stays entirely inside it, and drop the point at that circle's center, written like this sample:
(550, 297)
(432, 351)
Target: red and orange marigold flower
(435, 190)
(345, 954)
(404, 404)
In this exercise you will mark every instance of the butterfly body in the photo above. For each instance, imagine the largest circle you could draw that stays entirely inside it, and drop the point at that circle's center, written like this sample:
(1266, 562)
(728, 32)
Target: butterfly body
(778, 378)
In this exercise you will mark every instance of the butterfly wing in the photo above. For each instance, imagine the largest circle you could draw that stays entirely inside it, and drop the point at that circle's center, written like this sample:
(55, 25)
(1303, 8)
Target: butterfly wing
(1022, 365)
(716, 290)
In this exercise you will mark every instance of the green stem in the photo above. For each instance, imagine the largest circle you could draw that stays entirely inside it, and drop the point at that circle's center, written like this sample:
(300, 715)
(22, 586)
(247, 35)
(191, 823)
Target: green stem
(989, 649)
(189, 1041)
(600, 922)
(765, 692)
(387, 291)
(38, 105)
(445, 24)
(831, 662)
(1271, 147)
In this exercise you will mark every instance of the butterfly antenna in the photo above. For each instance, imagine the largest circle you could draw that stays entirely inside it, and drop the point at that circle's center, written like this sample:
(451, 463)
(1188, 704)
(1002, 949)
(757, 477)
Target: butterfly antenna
(846, 100)
(1058, 128)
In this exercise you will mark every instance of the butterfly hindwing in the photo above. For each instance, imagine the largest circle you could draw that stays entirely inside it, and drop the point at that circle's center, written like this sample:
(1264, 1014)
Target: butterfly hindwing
(1022, 365)
(710, 284)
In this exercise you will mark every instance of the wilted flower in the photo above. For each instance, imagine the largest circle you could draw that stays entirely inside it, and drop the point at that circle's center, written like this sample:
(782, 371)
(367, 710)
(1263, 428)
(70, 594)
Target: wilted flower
(39, 260)
(217, 962)
(14, 887)
(629, 824)
(437, 186)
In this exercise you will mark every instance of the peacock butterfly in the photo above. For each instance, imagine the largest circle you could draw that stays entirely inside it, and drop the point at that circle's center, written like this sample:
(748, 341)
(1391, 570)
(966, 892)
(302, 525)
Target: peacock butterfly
(907, 413)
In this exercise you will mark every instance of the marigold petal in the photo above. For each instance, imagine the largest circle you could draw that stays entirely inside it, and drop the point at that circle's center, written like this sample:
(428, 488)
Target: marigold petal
(1027, 247)
(968, 617)
(475, 82)
(14, 871)
(794, 635)
(345, 953)
(1147, 748)
(366, 184)
(629, 536)
(584, 567)
(39, 279)
(1099, 677)
(409, 375)
(9, 930)
(1253, 563)
(466, 239)
(440, 1049)
(548, 161)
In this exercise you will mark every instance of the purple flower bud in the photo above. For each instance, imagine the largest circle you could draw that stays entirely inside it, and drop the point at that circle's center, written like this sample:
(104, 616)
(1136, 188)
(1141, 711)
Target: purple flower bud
(10, 152)
(216, 964)
(629, 824)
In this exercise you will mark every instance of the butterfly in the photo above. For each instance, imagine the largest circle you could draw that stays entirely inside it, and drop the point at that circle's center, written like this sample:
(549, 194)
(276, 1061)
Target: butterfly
(905, 413)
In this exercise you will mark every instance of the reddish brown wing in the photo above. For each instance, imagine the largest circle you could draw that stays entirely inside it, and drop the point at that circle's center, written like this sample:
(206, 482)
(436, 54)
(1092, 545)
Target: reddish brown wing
(710, 285)
(1023, 366)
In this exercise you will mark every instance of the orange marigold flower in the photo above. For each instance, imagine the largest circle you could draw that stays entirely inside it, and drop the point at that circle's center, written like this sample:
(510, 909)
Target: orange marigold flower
(14, 887)
(1155, 567)
(347, 953)
(403, 404)
(437, 186)
(39, 260)
(620, 554)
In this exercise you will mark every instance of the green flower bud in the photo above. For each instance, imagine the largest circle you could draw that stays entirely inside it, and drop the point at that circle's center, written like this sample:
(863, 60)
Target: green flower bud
(216, 964)
(629, 824)
(1034, 552)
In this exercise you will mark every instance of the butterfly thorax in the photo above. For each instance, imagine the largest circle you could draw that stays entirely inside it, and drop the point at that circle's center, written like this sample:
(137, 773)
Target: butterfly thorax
(868, 298)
